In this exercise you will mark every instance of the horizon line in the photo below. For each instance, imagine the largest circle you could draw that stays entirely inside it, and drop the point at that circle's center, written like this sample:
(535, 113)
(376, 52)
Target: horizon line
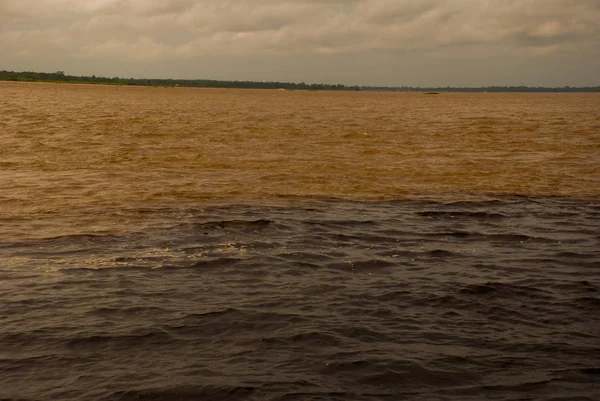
(140, 82)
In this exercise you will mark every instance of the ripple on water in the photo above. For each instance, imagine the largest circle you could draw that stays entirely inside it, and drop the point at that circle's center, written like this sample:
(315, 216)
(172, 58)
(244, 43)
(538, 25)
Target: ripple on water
(328, 300)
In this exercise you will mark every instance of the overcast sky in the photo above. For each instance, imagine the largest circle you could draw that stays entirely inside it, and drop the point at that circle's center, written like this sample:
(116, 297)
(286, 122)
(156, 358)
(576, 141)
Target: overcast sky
(364, 42)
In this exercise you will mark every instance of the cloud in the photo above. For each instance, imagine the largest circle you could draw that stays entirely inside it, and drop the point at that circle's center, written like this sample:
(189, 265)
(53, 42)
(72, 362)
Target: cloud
(145, 30)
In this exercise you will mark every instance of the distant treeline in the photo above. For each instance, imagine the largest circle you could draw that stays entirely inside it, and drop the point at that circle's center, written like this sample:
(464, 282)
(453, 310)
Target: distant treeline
(491, 89)
(60, 76)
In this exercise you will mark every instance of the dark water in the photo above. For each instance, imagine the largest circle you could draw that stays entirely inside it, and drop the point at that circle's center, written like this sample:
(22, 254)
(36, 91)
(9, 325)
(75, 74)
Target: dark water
(494, 299)
(185, 244)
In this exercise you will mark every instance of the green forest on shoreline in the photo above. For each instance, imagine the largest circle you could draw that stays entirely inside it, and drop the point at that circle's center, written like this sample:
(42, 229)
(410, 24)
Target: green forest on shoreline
(61, 77)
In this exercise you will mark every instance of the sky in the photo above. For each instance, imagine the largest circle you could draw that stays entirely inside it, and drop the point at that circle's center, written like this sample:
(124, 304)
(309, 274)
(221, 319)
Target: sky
(352, 42)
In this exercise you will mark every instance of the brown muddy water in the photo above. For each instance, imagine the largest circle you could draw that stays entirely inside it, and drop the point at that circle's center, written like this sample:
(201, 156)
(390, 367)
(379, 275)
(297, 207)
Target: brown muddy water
(209, 244)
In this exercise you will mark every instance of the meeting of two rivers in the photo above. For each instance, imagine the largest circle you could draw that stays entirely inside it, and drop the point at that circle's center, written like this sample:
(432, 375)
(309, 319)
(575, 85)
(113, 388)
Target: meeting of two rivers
(225, 244)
